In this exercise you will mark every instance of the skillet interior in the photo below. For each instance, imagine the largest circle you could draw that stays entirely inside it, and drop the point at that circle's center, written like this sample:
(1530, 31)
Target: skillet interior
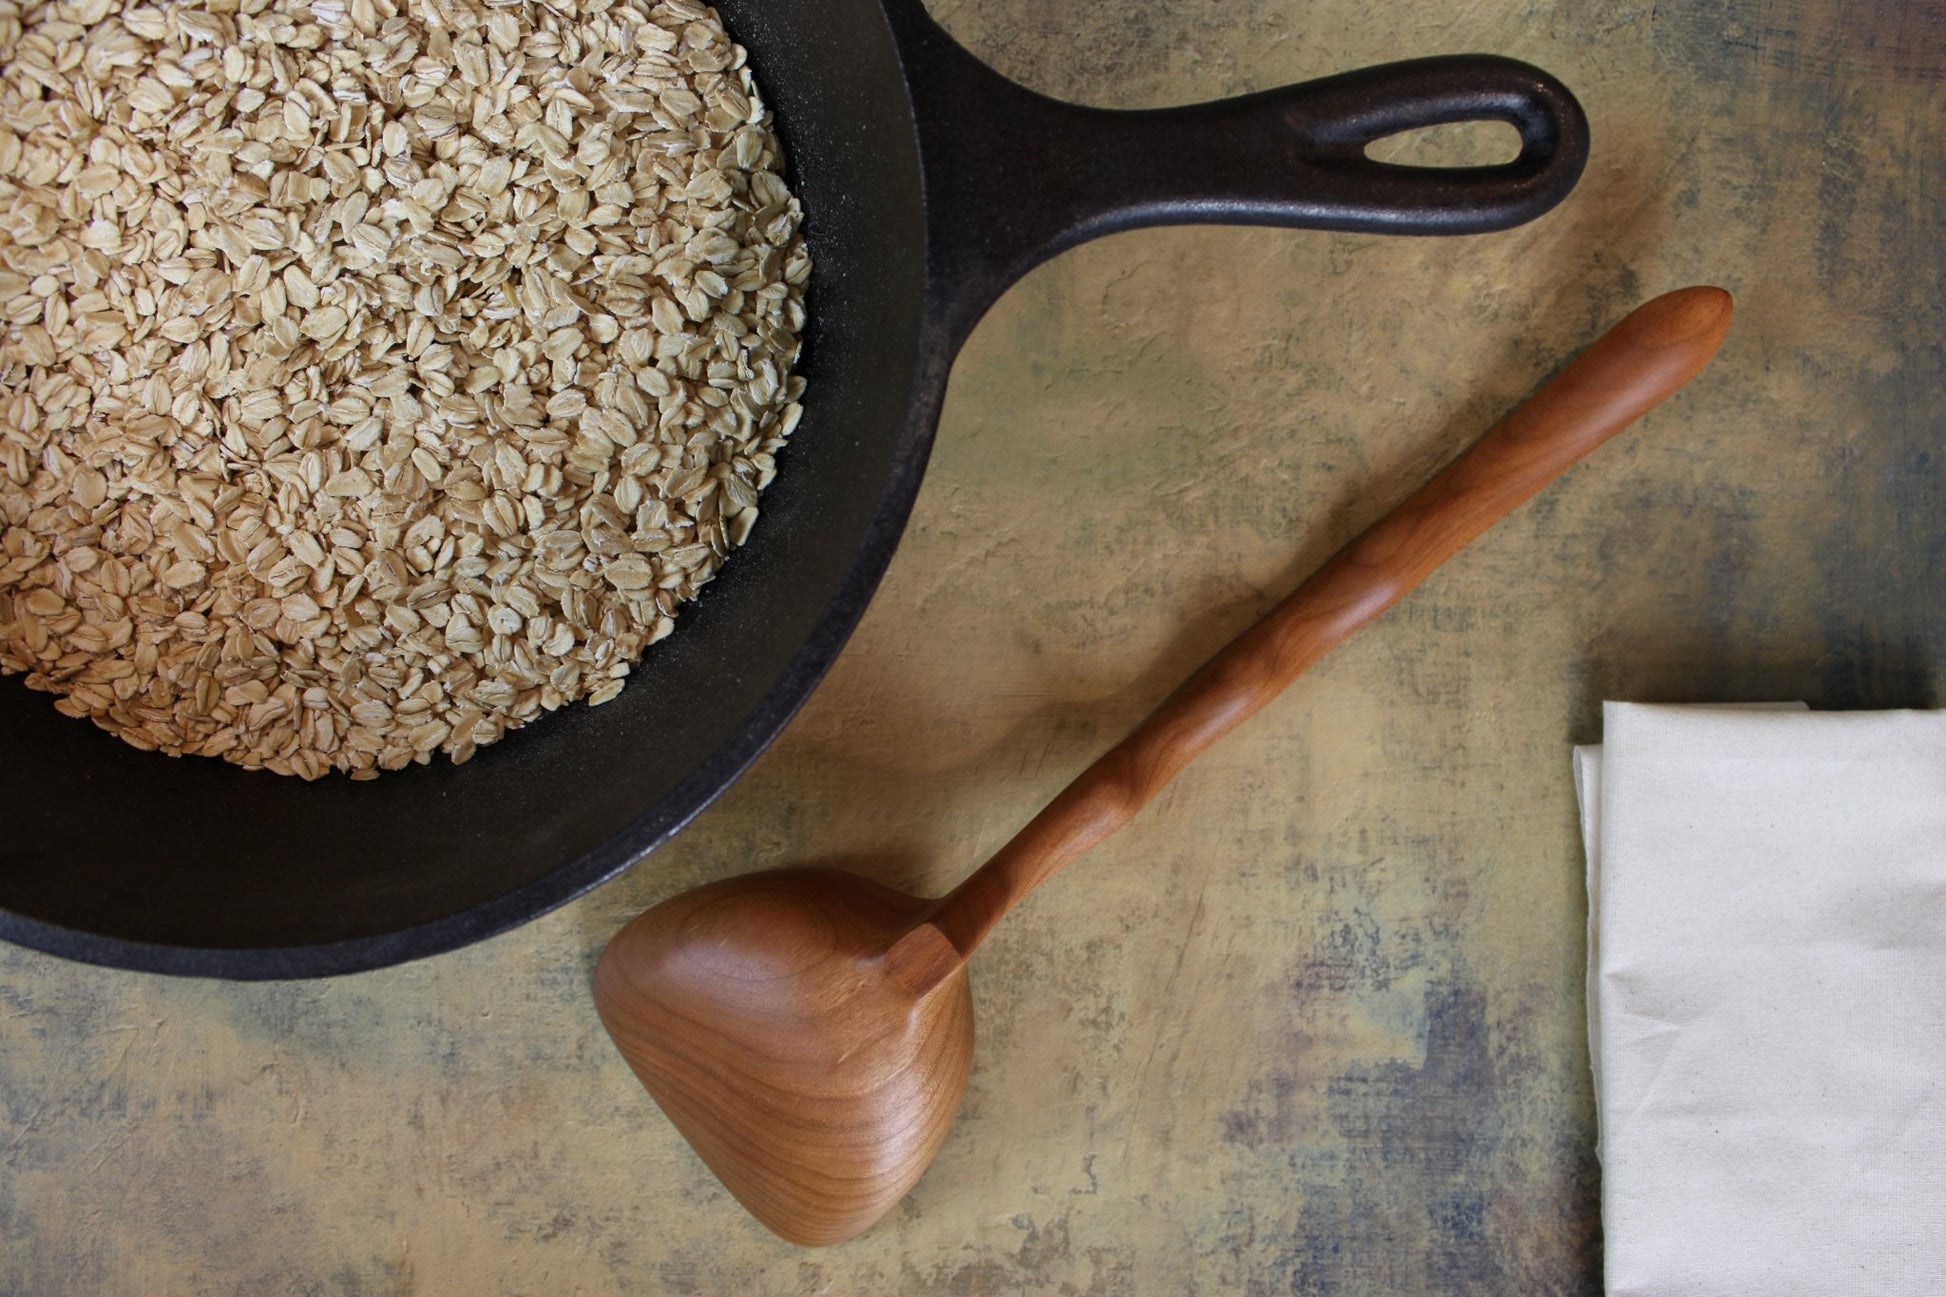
(194, 866)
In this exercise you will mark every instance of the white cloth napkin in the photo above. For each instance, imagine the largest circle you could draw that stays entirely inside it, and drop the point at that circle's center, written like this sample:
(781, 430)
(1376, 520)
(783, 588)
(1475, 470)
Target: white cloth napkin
(1767, 999)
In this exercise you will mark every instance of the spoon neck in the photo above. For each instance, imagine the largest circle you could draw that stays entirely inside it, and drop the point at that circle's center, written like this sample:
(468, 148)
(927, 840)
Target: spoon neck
(939, 943)
(970, 911)
(922, 958)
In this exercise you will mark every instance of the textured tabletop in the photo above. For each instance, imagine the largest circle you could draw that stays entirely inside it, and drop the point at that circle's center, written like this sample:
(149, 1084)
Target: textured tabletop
(1314, 1022)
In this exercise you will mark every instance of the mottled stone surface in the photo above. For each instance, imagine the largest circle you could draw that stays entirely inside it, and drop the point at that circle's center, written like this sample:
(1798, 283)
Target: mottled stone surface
(1313, 1024)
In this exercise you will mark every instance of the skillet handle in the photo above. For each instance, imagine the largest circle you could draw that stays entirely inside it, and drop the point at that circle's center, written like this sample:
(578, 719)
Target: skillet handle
(1013, 177)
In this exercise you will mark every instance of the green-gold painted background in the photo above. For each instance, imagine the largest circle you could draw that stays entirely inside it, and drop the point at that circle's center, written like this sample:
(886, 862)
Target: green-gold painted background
(1313, 1024)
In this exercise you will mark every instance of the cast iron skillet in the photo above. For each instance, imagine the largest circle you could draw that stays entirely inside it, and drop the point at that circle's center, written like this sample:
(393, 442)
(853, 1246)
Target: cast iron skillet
(930, 183)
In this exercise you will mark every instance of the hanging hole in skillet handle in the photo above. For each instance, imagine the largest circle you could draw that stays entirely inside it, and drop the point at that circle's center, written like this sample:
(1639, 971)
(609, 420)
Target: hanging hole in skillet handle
(1013, 177)
(1456, 144)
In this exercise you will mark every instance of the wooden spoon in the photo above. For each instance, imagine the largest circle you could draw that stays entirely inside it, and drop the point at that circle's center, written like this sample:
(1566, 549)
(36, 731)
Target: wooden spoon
(810, 1032)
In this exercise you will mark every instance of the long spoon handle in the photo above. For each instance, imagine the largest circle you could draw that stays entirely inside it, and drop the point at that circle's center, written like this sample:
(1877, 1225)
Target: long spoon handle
(1629, 370)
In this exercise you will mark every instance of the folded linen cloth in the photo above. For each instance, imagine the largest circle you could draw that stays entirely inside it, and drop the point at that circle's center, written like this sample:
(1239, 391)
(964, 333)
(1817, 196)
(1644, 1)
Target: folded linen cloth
(1767, 999)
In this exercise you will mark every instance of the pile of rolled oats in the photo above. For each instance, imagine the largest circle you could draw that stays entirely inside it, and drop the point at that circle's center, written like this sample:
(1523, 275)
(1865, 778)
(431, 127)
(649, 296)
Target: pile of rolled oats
(376, 375)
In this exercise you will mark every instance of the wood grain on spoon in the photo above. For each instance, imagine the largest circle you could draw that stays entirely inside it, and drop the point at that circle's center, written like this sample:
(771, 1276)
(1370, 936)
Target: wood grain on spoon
(810, 1032)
